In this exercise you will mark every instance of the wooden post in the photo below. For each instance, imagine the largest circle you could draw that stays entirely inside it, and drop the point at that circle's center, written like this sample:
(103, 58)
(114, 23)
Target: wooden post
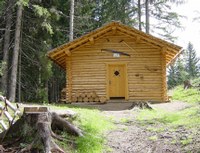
(69, 79)
(164, 81)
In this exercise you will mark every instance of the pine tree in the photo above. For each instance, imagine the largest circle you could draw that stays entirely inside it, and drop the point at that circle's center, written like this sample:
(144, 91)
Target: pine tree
(191, 61)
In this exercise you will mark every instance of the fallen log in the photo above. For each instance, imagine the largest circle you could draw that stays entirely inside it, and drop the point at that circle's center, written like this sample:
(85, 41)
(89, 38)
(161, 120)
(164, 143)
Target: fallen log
(37, 127)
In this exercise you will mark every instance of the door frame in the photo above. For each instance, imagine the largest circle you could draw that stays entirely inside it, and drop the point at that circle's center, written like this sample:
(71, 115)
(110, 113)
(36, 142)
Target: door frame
(107, 79)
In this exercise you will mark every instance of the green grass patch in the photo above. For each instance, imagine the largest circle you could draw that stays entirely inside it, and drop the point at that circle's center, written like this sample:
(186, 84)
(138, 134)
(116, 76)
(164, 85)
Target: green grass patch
(94, 125)
(155, 129)
(186, 141)
(191, 95)
(188, 95)
(153, 138)
(188, 117)
(125, 120)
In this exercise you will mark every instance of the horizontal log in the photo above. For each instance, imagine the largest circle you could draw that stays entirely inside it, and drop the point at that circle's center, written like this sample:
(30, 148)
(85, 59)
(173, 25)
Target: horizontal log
(145, 98)
(159, 91)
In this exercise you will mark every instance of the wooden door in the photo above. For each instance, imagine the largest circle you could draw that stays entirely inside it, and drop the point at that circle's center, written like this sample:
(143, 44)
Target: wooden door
(117, 80)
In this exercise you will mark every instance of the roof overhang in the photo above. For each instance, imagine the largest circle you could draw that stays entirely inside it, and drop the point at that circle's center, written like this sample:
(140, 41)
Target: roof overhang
(59, 54)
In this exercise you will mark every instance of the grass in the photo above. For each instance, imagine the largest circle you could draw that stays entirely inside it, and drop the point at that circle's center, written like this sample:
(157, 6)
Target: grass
(159, 120)
(153, 138)
(94, 125)
(186, 141)
(188, 117)
(156, 129)
(125, 120)
(191, 95)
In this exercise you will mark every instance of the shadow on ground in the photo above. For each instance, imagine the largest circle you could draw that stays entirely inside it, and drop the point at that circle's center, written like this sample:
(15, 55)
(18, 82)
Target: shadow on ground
(111, 106)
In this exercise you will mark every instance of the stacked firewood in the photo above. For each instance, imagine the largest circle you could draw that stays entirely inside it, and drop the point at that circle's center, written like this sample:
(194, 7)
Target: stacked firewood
(63, 95)
(87, 97)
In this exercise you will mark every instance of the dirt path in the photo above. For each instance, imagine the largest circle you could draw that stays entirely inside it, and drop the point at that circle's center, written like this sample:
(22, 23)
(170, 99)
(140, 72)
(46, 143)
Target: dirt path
(131, 137)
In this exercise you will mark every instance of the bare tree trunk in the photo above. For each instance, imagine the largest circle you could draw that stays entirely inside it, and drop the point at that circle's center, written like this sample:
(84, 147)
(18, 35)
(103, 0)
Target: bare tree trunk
(71, 27)
(147, 15)
(139, 15)
(13, 83)
(19, 79)
(6, 47)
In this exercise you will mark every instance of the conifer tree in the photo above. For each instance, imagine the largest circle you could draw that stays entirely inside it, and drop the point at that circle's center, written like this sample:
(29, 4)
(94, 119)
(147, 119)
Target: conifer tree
(191, 61)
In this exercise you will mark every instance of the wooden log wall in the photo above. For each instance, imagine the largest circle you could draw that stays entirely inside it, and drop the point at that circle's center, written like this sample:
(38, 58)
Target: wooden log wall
(87, 70)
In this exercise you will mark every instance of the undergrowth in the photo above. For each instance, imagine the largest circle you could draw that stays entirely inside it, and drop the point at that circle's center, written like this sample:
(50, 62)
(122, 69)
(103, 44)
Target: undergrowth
(191, 95)
(187, 95)
(94, 125)
(188, 117)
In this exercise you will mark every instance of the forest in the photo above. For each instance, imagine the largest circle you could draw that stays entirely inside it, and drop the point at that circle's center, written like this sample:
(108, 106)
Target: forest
(30, 28)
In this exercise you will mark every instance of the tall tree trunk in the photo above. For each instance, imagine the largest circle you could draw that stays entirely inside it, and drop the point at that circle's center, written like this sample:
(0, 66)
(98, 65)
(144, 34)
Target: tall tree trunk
(71, 27)
(147, 15)
(139, 15)
(19, 77)
(13, 82)
(4, 79)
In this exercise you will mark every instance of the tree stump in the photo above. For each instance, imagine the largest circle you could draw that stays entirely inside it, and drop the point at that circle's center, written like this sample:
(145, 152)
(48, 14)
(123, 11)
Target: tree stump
(141, 105)
(35, 128)
(187, 84)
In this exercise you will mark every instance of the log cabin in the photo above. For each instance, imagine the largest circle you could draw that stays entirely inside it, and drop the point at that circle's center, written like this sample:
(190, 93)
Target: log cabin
(115, 61)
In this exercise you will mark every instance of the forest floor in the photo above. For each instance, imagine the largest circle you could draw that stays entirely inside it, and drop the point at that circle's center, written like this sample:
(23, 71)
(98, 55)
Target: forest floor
(135, 135)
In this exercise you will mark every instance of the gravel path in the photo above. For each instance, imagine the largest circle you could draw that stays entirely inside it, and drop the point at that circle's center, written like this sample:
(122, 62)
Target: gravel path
(131, 137)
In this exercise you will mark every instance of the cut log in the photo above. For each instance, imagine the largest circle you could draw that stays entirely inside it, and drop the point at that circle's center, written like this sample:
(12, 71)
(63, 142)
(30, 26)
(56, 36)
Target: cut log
(83, 95)
(80, 99)
(85, 99)
(91, 99)
(77, 94)
(103, 99)
(96, 99)
(74, 99)
(38, 125)
(88, 94)
(94, 95)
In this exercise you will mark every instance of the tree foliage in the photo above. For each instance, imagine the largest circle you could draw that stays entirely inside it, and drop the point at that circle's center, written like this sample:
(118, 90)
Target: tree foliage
(191, 61)
(45, 25)
(186, 67)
